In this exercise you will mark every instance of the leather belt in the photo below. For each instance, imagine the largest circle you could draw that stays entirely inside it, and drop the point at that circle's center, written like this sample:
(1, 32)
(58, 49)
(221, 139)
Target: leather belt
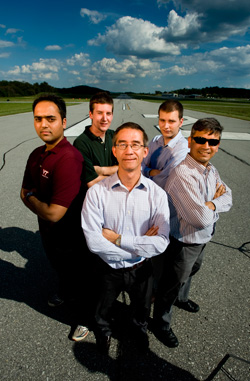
(130, 268)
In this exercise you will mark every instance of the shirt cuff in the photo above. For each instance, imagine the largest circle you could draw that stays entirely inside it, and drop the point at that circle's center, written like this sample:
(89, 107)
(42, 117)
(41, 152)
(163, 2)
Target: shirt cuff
(127, 243)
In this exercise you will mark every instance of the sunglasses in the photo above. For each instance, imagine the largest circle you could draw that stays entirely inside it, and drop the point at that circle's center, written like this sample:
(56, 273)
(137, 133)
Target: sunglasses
(211, 142)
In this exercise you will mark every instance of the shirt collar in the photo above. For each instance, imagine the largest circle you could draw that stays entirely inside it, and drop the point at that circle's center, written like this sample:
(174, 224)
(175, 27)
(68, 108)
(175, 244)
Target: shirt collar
(201, 168)
(59, 145)
(91, 135)
(115, 181)
(173, 141)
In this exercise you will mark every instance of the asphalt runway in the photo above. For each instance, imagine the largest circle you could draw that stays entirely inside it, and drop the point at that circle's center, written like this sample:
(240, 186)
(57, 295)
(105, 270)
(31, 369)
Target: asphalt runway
(214, 343)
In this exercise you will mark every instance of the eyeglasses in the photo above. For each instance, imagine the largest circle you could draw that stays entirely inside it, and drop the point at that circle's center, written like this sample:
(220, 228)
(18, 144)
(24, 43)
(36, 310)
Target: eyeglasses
(134, 146)
(211, 142)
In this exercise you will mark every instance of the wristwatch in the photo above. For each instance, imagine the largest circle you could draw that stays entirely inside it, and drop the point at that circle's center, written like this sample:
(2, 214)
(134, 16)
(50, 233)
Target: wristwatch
(29, 194)
(118, 240)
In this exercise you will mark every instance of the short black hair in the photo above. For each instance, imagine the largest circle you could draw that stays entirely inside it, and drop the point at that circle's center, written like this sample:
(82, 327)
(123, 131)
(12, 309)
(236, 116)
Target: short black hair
(211, 125)
(52, 98)
(102, 97)
(133, 126)
(171, 105)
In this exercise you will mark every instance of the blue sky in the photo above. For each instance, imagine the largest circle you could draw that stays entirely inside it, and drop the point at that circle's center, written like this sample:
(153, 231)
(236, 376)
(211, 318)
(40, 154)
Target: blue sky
(133, 45)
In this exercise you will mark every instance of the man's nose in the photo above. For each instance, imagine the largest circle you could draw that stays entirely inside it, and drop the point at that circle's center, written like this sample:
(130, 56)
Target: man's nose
(44, 122)
(206, 145)
(129, 149)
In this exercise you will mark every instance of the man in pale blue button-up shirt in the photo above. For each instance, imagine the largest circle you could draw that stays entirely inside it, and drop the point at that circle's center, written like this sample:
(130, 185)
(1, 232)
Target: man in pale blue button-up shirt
(167, 150)
(125, 219)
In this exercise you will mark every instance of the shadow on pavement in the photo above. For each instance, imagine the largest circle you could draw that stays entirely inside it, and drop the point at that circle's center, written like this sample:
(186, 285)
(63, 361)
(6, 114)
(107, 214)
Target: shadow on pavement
(34, 281)
(125, 361)
(128, 364)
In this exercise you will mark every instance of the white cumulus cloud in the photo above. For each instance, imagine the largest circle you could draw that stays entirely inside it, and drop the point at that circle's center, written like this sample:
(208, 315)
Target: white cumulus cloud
(111, 70)
(4, 55)
(206, 21)
(135, 37)
(12, 31)
(6, 44)
(53, 47)
(81, 59)
(94, 16)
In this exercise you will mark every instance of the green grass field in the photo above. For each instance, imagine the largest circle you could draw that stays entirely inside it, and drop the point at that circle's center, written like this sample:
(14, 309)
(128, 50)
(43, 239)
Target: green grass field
(234, 109)
(24, 104)
(226, 108)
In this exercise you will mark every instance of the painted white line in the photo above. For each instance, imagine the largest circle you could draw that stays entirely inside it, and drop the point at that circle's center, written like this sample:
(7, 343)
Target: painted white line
(78, 128)
(235, 136)
(187, 119)
(225, 135)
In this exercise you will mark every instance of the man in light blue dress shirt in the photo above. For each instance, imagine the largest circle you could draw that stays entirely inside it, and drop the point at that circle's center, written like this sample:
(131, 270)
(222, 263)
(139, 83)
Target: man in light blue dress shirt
(196, 197)
(125, 219)
(167, 150)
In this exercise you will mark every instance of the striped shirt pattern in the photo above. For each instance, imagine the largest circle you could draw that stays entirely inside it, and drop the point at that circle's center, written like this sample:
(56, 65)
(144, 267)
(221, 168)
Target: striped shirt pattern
(189, 186)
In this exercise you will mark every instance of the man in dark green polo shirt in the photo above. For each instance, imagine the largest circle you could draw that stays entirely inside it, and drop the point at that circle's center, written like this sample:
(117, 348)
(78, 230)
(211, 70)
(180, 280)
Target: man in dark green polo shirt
(95, 143)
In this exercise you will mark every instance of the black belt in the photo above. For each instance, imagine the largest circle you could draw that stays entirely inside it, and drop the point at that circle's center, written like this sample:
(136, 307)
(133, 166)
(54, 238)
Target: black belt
(130, 268)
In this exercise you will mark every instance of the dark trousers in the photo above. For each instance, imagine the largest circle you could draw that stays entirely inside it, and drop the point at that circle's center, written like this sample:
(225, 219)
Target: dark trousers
(181, 262)
(136, 282)
(68, 258)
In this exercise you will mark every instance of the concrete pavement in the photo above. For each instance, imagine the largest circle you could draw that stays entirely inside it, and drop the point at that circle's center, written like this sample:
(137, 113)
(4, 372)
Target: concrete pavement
(34, 337)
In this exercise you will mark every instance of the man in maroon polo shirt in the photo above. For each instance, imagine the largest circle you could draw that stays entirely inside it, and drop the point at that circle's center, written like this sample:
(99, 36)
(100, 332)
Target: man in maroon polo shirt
(53, 190)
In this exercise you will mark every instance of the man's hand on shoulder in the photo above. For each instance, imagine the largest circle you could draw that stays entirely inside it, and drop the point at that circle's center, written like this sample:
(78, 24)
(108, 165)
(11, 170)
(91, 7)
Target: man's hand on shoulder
(99, 170)
(106, 171)
(154, 172)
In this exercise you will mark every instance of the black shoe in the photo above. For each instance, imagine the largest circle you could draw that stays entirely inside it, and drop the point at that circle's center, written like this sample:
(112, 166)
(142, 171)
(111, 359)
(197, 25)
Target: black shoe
(55, 300)
(189, 306)
(103, 344)
(167, 337)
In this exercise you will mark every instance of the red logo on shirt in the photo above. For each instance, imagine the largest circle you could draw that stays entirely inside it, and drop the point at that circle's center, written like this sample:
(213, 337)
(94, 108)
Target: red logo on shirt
(45, 173)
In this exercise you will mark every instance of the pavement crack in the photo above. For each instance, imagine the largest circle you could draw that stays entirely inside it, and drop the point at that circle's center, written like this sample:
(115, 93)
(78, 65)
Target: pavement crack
(11, 149)
(235, 157)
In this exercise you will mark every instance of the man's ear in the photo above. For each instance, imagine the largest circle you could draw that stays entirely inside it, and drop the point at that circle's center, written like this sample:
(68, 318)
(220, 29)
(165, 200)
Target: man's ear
(114, 151)
(64, 123)
(90, 115)
(189, 141)
(145, 152)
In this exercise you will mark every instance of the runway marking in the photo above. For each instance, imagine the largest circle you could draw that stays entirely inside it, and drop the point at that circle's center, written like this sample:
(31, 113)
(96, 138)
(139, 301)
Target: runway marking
(225, 135)
(187, 119)
(78, 128)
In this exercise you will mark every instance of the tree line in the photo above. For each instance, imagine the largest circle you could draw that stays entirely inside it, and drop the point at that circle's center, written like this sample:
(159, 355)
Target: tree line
(21, 89)
(216, 92)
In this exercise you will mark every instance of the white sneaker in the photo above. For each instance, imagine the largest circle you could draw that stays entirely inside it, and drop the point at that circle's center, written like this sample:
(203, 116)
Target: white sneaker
(80, 333)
